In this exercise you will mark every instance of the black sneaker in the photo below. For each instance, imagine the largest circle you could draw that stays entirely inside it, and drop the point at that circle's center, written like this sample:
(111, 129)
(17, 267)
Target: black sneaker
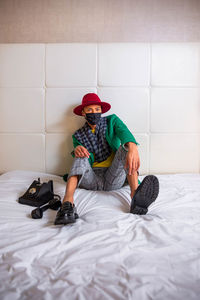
(145, 194)
(66, 214)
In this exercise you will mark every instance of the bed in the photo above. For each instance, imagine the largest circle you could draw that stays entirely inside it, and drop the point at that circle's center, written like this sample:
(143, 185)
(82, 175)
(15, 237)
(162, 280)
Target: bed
(108, 253)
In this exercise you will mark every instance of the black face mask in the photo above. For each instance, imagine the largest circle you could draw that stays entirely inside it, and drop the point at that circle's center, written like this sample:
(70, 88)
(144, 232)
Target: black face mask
(93, 118)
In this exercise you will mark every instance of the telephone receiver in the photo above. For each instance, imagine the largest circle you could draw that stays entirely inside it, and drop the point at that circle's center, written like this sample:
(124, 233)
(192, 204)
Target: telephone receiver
(53, 204)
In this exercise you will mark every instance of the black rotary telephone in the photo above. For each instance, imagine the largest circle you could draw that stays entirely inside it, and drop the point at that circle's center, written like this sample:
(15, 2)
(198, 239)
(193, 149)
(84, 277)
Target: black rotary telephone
(39, 194)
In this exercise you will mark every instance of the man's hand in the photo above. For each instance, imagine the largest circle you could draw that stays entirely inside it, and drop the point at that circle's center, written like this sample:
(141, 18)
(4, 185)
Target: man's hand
(132, 158)
(81, 151)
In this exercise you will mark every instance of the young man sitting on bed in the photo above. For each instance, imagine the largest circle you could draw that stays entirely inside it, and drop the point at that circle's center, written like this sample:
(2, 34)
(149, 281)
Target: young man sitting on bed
(105, 158)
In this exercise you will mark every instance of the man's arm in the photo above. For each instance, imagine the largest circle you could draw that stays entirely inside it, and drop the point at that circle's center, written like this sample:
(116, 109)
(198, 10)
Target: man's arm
(79, 149)
(132, 158)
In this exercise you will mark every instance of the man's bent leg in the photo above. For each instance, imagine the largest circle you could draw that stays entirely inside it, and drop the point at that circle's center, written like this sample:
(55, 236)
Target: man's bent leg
(81, 175)
(116, 174)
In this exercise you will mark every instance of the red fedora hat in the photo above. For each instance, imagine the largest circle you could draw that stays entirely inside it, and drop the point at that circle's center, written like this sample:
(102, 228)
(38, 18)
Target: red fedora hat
(89, 99)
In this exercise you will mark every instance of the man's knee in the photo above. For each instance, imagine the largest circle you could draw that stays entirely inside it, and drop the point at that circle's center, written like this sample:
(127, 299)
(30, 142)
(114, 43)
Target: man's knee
(79, 167)
(81, 160)
(81, 163)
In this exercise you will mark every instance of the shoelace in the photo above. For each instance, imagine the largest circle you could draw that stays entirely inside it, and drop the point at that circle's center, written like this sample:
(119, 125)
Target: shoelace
(68, 208)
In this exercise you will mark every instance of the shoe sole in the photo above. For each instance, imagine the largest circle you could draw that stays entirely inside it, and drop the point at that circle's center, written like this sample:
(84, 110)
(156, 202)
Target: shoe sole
(149, 190)
(65, 222)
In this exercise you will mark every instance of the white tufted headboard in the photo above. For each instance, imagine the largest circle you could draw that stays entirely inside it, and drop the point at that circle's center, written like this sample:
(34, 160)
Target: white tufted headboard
(153, 87)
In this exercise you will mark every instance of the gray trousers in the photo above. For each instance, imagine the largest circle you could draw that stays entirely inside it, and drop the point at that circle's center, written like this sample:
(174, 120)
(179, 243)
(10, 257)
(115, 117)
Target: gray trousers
(100, 178)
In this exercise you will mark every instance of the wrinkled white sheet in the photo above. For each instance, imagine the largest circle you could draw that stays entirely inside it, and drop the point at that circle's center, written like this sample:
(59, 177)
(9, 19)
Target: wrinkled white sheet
(108, 253)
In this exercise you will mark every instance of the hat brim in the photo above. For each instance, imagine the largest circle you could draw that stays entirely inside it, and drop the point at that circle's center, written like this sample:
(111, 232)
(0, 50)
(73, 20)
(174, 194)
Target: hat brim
(104, 106)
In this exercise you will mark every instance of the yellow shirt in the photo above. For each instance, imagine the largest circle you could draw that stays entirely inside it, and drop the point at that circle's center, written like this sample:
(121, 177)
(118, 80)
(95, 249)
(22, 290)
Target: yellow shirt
(106, 163)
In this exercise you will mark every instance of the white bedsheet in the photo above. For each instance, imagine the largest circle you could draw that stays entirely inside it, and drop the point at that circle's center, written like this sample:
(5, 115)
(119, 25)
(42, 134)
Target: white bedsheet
(108, 253)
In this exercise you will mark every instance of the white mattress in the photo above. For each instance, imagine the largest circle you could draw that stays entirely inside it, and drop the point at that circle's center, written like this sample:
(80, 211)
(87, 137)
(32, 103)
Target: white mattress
(108, 253)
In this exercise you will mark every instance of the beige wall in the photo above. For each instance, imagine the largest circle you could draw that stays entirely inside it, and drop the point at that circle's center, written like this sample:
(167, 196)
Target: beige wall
(51, 21)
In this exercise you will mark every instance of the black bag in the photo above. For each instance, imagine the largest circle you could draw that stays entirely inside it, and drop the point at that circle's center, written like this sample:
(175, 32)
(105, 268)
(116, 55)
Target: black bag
(38, 193)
